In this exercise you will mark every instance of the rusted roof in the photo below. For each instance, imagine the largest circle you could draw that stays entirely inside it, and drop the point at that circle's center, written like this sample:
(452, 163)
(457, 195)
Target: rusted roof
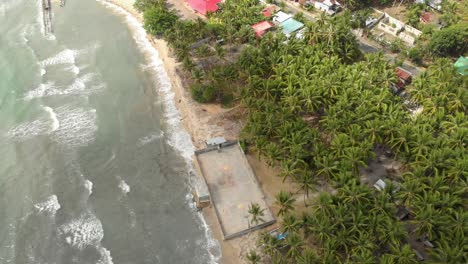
(426, 17)
(403, 74)
(261, 27)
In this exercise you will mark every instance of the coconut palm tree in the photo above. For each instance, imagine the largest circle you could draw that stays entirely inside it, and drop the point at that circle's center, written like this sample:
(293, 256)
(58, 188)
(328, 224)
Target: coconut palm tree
(253, 257)
(403, 255)
(306, 183)
(308, 256)
(290, 223)
(256, 213)
(295, 244)
(285, 201)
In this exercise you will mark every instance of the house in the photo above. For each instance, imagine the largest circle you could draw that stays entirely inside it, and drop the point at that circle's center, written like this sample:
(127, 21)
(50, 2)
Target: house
(261, 28)
(281, 17)
(269, 11)
(330, 7)
(462, 65)
(404, 79)
(204, 6)
(435, 4)
(290, 26)
(398, 29)
(426, 18)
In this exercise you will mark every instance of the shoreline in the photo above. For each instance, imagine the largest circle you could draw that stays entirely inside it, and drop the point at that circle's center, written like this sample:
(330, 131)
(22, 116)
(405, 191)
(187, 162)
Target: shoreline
(201, 122)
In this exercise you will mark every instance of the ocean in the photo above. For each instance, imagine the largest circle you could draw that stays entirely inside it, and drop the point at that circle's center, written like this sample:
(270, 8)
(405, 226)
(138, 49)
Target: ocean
(94, 162)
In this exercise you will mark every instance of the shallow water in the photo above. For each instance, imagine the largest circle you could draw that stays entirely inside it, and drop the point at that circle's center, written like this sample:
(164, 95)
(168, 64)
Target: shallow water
(94, 162)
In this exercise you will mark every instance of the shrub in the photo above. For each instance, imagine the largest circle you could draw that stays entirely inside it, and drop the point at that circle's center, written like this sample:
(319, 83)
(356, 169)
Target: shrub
(203, 93)
(416, 55)
(158, 19)
(227, 99)
(450, 41)
(142, 5)
(396, 46)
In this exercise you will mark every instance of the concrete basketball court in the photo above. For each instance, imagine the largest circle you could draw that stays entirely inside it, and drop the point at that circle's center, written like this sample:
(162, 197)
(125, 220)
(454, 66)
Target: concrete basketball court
(233, 187)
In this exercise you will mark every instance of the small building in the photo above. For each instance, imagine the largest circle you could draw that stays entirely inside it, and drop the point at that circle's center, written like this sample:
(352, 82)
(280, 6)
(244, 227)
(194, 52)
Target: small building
(261, 28)
(462, 65)
(404, 79)
(204, 6)
(269, 11)
(426, 18)
(435, 4)
(281, 17)
(330, 7)
(290, 26)
(399, 29)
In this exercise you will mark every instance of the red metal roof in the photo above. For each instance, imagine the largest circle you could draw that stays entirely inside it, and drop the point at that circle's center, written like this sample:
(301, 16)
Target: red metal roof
(266, 12)
(427, 17)
(204, 6)
(261, 27)
(403, 74)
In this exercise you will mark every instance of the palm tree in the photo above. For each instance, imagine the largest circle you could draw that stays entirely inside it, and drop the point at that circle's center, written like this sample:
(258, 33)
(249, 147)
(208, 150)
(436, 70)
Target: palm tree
(402, 255)
(306, 183)
(256, 213)
(446, 251)
(290, 223)
(253, 257)
(295, 244)
(323, 205)
(268, 243)
(308, 256)
(285, 201)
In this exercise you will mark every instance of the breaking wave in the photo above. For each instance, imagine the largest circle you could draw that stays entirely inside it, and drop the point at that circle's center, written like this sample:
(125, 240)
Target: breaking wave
(80, 86)
(53, 116)
(49, 205)
(83, 231)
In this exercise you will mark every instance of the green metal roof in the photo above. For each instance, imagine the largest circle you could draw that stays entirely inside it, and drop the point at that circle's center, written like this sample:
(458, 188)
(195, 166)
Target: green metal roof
(462, 65)
(290, 25)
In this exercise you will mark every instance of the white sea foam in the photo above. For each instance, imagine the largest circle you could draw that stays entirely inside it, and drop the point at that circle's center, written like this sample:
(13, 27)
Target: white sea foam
(64, 57)
(80, 86)
(77, 126)
(40, 91)
(124, 187)
(51, 37)
(49, 205)
(74, 69)
(53, 116)
(148, 139)
(29, 130)
(105, 257)
(83, 231)
(178, 138)
(89, 186)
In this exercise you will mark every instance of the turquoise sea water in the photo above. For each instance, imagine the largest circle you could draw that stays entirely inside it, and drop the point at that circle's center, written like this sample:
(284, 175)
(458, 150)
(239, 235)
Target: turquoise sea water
(94, 163)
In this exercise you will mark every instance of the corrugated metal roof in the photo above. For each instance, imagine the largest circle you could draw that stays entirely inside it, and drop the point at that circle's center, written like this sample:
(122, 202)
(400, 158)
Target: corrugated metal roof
(291, 25)
(261, 27)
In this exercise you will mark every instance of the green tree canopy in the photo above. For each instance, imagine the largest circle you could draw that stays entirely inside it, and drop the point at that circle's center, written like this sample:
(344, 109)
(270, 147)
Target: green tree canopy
(450, 41)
